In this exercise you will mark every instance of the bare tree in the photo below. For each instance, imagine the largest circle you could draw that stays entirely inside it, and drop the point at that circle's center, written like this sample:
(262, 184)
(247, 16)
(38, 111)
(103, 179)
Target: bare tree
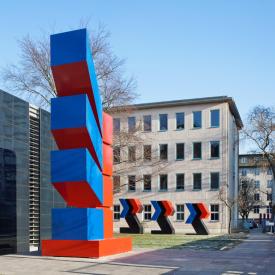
(132, 152)
(33, 78)
(259, 129)
(247, 197)
(229, 203)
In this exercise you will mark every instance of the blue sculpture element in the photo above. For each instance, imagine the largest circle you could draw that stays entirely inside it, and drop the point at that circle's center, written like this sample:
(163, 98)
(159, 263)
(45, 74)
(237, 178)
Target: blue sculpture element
(77, 224)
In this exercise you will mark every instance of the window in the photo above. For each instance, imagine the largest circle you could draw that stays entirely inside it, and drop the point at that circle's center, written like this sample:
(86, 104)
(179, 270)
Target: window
(147, 123)
(180, 181)
(147, 182)
(132, 153)
(215, 214)
(269, 183)
(243, 172)
(163, 151)
(257, 184)
(131, 124)
(197, 119)
(116, 124)
(197, 150)
(147, 152)
(268, 210)
(256, 209)
(163, 122)
(257, 171)
(147, 212)
(215, 118)
(197, 181)
(257, 197)
(179, 121)
(243, 160)
(269, 197)
(131, 183)
(116, 186)
(215, 149)
(269, 171)
(180, 151)
(180, 212)
(116, 153)
(116, 212)
(215, 180)
(163, 183)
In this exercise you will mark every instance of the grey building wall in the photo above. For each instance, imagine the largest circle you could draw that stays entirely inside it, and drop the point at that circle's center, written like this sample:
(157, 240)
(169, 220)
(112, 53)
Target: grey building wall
(14, 135)
(14, 132)
(49, 197)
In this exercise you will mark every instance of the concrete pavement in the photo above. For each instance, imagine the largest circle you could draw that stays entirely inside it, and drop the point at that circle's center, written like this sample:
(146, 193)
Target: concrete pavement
(256, 255)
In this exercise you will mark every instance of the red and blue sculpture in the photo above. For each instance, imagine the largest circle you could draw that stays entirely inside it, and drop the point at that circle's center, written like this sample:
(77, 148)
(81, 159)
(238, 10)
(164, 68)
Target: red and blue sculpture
(81, 170)
(130, 209)
(198, 211)
(163, 209)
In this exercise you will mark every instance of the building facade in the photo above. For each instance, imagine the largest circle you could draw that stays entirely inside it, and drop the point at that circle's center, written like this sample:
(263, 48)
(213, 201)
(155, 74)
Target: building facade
(183, 151)
(26, 195)
(255, 167)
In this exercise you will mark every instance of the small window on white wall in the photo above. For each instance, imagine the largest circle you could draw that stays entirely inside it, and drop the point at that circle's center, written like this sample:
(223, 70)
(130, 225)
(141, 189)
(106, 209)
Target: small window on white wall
(147, 212)
(180, 212)
(215, 214)
(116, 212)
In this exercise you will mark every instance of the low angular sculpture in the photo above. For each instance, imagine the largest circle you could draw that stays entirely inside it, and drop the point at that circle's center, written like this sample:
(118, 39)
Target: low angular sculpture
(82, 167)
(198, 211)
(163, 209)
(130, 208)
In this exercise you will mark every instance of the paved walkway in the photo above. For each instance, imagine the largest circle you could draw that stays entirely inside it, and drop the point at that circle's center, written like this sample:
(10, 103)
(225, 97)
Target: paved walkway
(256, 255)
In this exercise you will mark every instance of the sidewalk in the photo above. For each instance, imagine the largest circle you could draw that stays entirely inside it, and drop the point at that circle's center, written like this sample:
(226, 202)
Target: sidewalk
(255, 255)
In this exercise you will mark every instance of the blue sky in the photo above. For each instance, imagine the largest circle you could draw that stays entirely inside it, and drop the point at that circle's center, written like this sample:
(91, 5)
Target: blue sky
(175, 49)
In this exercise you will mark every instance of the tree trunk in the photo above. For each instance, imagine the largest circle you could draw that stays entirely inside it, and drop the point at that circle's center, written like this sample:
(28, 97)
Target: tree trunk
(229, 223)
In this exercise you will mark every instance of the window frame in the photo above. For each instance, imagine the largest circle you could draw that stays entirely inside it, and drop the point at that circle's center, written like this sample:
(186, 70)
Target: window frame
(116, 212)
(177, 186)
(211, 143)
(135, 188)
(177, 127)
(193, 148)
(180, 212)
(147, 190)
(116, 155)
(130, 129)
(160, 122)
(160, 154)
(214, 212)
(219, 119)
(144, 153)
(132, 153)
(114, 129)
(211, 187)
(114, 184)
(197, 112)
(180, 143)
(197, 189)
(145, 123)
(160, 189)
(147, 212)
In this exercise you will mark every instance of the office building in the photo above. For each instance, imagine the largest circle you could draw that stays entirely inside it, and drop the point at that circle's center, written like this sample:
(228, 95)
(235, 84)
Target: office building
(183, 151)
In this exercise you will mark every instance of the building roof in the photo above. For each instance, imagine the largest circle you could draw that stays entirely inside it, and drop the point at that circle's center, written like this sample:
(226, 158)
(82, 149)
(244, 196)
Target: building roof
(193, 101)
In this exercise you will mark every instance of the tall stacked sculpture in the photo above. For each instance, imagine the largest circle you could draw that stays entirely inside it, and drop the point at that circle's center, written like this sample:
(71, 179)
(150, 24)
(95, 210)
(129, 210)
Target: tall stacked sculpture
(81, 169)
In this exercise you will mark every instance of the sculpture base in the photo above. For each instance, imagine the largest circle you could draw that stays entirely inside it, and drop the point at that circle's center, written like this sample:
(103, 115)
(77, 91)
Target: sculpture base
(86, 249)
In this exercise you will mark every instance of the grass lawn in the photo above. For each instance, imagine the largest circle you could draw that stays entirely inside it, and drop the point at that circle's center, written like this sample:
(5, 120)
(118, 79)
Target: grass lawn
(180, 241)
